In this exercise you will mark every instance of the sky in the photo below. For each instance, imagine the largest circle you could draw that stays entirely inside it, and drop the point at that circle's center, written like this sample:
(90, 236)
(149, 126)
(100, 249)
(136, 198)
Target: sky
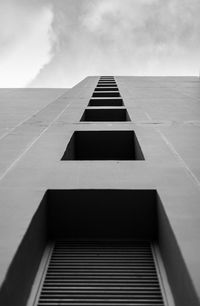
(56, 43)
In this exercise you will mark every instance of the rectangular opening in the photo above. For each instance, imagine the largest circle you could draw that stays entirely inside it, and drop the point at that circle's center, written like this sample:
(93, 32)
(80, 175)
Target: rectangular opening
(107, 85)
(106, 102)
(106, 89)
(107, 82)
(106, 76)
(106, 94)
(101, 250)
(105, 115)
(103, 145)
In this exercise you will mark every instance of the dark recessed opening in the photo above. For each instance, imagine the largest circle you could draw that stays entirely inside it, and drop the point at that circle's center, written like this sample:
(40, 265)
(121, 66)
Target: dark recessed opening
(106, 81)
(106, 94)
(112, 80)
(105, 115)
(107, 85)
(103, 145)
(106, 102)
(105, 242)
(106, 89)
(123, 237)
(102, 214)
(106, 78)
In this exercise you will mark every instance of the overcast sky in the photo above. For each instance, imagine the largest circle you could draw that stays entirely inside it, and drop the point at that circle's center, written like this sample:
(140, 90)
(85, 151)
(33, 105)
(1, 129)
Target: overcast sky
(56, 43)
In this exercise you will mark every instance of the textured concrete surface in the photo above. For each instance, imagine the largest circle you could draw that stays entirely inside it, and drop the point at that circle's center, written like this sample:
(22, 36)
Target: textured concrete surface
(18, 105)
(165, 115)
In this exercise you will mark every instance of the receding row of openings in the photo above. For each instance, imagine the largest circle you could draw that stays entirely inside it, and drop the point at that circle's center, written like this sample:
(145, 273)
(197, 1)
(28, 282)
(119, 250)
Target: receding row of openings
(106, 91)
(106, 97)
(103, 145)
(102, 249)
(108, 81)
(106, 94)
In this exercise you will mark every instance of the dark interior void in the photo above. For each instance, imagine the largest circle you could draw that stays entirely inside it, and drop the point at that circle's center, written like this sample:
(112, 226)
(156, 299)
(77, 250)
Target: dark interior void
(108, 214)
(107, 79)
(106, 89)
(106, 102)
(103, 145)
(97, 214)
(106, 94)
(107, 76)
(24, 266)
(105, 115)
(107, 85)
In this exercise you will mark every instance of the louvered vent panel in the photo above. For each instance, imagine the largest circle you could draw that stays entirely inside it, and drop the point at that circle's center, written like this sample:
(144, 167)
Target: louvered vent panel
(101, 273)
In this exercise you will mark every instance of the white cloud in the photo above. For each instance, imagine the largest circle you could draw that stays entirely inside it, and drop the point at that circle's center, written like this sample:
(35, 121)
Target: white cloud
(146, 36)
(121, 37)
(26, 40)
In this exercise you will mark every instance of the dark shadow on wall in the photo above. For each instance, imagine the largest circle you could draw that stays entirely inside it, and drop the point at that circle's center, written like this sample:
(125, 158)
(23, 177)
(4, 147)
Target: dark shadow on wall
(16, 287)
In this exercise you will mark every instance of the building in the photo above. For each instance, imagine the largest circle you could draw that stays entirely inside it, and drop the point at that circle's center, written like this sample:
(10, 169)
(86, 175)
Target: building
(100, 196)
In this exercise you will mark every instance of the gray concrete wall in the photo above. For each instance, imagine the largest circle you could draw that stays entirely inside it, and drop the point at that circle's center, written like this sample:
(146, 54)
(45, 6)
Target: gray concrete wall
(165, 115)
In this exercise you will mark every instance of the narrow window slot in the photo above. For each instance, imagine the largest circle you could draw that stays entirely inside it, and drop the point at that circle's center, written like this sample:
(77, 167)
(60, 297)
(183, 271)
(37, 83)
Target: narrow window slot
(105, 115)
(107, 85)
(107, 82)
(106, 102)
(106, 94)
(106, 89)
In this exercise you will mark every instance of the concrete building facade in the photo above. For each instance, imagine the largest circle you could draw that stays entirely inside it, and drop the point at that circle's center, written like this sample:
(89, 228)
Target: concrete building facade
(100, 194)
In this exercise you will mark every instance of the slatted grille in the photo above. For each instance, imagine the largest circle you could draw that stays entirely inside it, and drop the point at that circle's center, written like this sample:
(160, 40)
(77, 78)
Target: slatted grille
(101, 273)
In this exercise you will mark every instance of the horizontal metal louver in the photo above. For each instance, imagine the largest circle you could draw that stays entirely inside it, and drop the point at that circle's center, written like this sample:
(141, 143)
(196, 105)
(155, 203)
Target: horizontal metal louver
(101, 273)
